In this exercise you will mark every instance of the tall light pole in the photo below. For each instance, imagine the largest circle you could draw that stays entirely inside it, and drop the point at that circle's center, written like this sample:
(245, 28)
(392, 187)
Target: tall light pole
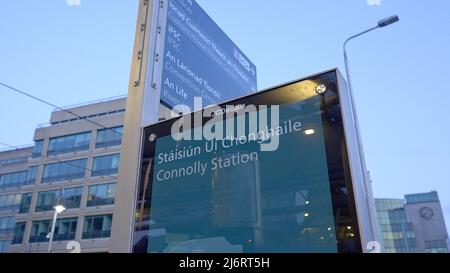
(383, 23)
(367, 181)
(58, 209)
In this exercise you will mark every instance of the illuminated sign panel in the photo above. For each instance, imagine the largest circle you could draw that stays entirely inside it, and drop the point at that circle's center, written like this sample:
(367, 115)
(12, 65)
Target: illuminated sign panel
(268, 172)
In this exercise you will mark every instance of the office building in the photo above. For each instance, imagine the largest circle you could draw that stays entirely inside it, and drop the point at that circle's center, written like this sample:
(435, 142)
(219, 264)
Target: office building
(74, 162)
(15, 178)
(398, 233)
(414, 224)
(424, 211)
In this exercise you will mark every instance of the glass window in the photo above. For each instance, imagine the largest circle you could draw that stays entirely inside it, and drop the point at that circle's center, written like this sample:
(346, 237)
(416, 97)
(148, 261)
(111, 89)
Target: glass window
(7, 225)
(106, 165)
(98, 226)
(12, 161)
(46, 200)
(19, 232)
(4, 246)
(436, 246)
(39, 231)
(422, 198)
(37, 150)
(25, 202)
(109, 137)
(71, 198)
(101, 195)
(18, 179)
(65, 230)
(69, 144)
(69, 170)
(31, 175)
(19, 203)
(412, 243)
(10, 180)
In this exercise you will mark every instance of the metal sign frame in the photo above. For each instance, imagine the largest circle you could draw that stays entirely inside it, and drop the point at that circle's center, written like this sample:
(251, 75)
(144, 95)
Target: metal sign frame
(361, 189)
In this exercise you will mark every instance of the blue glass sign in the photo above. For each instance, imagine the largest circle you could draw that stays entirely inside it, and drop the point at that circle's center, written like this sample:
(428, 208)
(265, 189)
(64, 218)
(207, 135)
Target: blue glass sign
(200, 60)
(222, 190)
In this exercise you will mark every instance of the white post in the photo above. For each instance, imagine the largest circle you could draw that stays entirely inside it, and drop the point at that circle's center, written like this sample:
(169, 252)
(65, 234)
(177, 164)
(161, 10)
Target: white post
(52, 232)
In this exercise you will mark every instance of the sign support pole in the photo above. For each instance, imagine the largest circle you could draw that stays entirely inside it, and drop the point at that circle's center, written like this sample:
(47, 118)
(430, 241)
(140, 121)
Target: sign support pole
(122, 228)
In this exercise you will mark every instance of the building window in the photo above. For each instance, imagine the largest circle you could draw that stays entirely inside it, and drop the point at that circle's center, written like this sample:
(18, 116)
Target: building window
(31, 175)
(4, 246)
(101, 195)
(422, 198)
(436, 246)
(7, 225)
(69, 170)
(70, 198)
(98, 226)
(65, 230)
(18, 179)
(39, 231)
(19, 232)
(46, 200)
(10, 202)
(18, 203)
(10, 180)
(109, 137)
(106, 165)
(69, 144)
(37, 150)
(13, 161)
(25, 202)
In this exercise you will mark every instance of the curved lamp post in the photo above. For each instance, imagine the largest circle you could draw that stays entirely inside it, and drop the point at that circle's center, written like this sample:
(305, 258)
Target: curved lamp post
(58, 209)
(367, 182)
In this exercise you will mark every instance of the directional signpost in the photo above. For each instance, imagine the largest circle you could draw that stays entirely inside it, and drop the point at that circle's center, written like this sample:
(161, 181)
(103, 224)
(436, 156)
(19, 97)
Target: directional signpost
(194, 58)
(200, 60)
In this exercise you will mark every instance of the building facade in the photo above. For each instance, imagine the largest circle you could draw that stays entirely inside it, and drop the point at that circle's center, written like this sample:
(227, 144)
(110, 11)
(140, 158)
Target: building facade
(16, 178)
(74, 162)
(424, 212)
(398, 234)
(414, 224)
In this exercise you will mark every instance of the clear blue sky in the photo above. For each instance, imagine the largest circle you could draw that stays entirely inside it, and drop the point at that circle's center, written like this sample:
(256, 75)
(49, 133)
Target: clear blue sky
(71, 54)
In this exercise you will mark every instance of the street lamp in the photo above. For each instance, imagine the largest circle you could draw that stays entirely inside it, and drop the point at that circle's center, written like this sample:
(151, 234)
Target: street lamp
(383, 23)
(368, 188)
(58, 209)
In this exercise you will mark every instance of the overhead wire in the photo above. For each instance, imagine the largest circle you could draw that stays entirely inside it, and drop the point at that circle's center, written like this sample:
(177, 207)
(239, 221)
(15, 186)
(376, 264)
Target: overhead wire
(27, 94)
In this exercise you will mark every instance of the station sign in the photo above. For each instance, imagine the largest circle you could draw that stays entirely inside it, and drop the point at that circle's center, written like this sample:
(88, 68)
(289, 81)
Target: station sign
(275, 171)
